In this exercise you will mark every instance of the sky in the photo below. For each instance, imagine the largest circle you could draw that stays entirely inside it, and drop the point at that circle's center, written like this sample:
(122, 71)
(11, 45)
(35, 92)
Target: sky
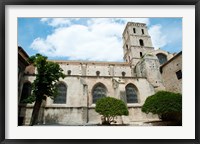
(92, 39)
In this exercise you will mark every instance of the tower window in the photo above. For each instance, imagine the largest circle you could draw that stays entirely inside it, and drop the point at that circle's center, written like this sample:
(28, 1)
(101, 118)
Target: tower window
(141, 42)
(126, 47)
(142, 31)
(179, 74)
(140, 54)
(134, 31)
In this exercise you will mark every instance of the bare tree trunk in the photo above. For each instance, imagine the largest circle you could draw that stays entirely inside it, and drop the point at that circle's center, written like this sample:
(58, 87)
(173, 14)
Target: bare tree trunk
(35, 113)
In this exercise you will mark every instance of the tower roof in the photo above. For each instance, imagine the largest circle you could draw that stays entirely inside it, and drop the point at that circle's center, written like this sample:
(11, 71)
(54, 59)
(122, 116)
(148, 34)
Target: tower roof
(135, 24)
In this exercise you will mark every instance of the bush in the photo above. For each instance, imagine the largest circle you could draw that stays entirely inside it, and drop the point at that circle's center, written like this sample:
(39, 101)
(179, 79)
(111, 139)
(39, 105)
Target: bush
(167, 105)
(109, 108)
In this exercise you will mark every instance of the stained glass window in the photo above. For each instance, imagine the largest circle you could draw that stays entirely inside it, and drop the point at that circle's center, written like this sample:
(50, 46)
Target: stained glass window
(131, 95)
(99, 91)
(62, 94)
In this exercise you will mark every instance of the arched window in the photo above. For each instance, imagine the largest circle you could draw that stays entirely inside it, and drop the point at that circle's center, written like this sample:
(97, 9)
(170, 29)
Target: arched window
(62, 94)
(141, 42)
(131, 94)
(99, 91)
(162, 58)
(26, 92)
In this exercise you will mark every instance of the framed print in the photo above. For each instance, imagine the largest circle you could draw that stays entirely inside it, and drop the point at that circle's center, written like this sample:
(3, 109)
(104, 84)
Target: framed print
(99, 72)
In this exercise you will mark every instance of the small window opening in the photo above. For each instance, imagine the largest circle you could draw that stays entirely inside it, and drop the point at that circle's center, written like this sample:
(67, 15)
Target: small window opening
(134, 31)
(140, 54)
(123, 74)
(141, 42)
(97, 73)
(126, 47)
(69, 72)
(179, 74)
(142, 31)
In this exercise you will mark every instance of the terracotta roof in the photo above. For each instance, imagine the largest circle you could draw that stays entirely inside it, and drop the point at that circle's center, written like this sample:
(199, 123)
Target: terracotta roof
(22, 52)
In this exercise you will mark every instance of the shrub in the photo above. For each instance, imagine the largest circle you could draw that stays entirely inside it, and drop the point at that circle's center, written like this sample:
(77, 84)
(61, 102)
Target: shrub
(167, 105)
(109, 108)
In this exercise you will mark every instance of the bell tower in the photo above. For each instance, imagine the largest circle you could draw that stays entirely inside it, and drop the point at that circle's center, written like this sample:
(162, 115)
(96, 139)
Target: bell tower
(136, 42)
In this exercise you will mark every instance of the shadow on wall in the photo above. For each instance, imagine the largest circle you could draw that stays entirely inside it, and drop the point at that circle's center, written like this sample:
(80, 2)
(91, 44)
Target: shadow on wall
(51, 119)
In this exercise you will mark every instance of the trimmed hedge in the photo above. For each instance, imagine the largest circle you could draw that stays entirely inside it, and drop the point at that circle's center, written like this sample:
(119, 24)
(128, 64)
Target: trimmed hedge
(167, 105)
(109, 108)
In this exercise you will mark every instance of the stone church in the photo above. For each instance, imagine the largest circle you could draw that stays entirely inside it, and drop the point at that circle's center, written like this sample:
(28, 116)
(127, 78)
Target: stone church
(132, 81)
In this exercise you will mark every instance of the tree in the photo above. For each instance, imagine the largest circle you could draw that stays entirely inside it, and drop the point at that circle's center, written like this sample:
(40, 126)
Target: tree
(167, 105)
(48, 73)
(109, 108)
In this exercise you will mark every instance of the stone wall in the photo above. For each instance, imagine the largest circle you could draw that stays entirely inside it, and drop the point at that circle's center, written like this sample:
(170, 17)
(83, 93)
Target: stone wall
(148, 67)
(171, 82)
(54, 115)
(90, 68)
(80, 109)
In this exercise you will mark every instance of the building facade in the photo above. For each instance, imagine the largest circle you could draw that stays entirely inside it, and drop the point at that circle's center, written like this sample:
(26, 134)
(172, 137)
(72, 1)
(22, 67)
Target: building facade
(171, 72)
(131, 81)
(22, 64)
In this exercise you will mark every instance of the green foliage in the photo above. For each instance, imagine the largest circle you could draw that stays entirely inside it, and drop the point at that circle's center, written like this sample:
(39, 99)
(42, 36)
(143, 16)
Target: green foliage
(167, 105)
(29, 99)
(109, 108)
(48, 73)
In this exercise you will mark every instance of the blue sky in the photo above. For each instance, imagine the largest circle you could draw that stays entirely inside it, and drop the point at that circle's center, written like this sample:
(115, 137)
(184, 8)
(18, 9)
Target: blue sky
(98, 39)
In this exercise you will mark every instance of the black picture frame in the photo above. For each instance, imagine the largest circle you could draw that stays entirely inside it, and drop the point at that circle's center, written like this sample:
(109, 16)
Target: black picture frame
(4, 3)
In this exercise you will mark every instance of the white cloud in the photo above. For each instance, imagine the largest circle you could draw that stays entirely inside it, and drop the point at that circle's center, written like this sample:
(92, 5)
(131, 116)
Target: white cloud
(118, 20)
(57, 22)
(98, 39)
(94, 42)
(139, 20)
(158, 38)
(44, 19)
